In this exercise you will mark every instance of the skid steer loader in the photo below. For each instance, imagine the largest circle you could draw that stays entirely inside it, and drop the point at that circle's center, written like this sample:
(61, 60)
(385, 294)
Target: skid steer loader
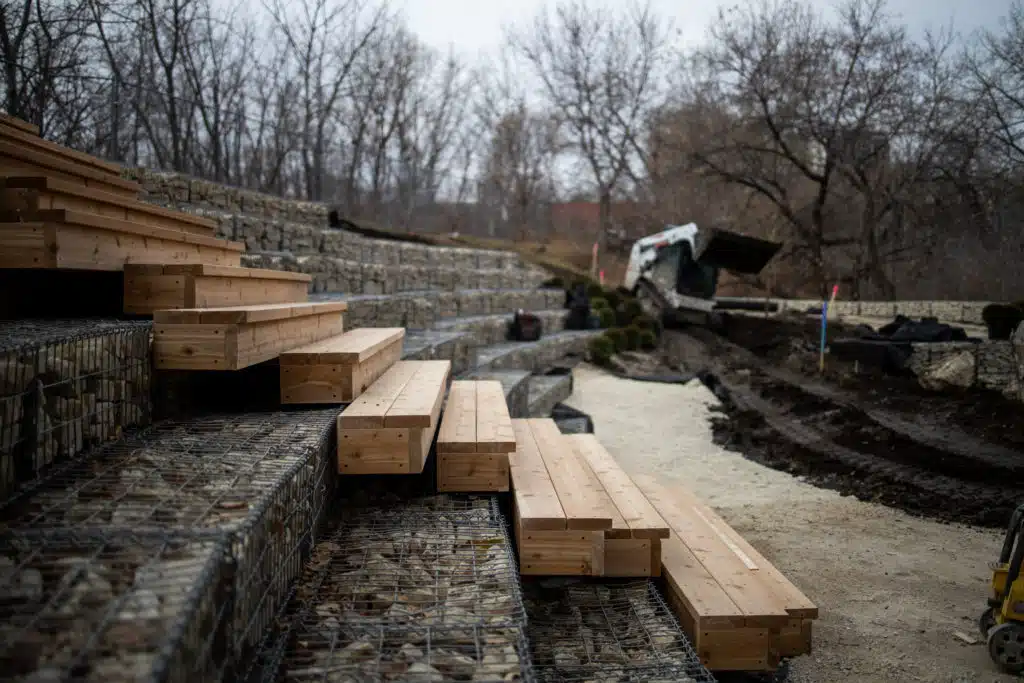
(674, 273)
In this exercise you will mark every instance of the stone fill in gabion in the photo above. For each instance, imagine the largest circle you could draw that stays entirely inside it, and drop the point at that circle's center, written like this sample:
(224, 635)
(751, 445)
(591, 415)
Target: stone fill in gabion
(419, 589)
(410, 654)
(615, 632)
(110, 610)
(260, 480)
(66, 385)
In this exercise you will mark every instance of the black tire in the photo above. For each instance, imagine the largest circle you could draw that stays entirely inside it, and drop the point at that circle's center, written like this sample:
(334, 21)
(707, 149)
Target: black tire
(987, 621)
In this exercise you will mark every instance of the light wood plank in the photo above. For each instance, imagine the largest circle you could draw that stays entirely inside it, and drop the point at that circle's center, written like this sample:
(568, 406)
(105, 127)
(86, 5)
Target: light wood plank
(18, 124)
(205, 269)
(760, 607)
(119, 226)
(459, 426)
(355, 346)
(373, 451)
(51, 193)
(536, 501)
(253, 313)
(493, 423)
(368, 411)
(18, 159)
(583, 499)
(414, 407)
(624, 557)
(472, 472)
(33, 140)
(640, 516)
(796, 604)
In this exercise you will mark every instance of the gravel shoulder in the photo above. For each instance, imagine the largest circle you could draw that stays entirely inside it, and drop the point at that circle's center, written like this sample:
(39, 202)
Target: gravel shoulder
(892, 588)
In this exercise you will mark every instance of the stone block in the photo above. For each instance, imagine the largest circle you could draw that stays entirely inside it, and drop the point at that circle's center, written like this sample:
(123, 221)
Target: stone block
(489, 260)
(997, 368)
(972, 312)
(941, 366)
(442, 279)
(948, 311)
(299, 238)
(447, 304)
(914, 309)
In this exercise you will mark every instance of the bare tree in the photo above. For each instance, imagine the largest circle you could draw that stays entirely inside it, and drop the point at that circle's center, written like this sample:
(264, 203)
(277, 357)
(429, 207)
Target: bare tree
(829, 123)
(324, 39)
(601, 72)
(997, 67)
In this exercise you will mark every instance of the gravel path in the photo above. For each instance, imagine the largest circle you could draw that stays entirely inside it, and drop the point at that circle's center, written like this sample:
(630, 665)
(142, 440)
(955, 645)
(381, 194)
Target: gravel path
(892, 588)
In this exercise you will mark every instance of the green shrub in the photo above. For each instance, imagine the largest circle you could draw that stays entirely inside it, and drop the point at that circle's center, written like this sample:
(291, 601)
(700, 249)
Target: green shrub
(594, 290)
(629, 311)
(613, 298)
(607, 317)
(599, 304)
(1001, 319)
(601, 349)
(647, 340)
(617, 335)
(649, 323)
(632, 338)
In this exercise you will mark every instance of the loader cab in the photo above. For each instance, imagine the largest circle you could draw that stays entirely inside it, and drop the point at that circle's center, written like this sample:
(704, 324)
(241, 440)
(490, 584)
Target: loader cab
(675, 269)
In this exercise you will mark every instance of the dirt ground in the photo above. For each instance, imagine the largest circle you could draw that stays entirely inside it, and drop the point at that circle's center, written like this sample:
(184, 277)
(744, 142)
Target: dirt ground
(893, 589)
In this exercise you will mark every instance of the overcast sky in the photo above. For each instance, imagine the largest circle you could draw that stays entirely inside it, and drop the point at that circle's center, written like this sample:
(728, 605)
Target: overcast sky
(474, 26)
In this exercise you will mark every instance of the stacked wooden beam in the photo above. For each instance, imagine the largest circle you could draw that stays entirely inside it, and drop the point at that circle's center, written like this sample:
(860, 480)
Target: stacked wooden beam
(740, 612)
(390, 428)
(571, 519)
(475, 439)
(339, 369)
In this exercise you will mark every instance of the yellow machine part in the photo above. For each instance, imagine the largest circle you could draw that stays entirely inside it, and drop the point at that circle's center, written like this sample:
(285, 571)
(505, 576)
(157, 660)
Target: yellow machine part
(1013, 604)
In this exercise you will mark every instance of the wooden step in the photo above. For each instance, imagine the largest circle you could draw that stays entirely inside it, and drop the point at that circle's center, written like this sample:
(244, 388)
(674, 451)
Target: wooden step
(601, 526)
(31, 139)
(31, 194)
(18, 159)
(83, 241)
(475, 439)
(339, 369)
(740, 612)
(390, 427)
(152, 287)
(235, 337)
(8, 121)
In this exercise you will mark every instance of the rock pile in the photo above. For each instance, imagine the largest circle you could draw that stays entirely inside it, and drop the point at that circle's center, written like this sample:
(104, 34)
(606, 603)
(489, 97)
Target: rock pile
(609, 633)
(424, 591)
(66, 386)
(96, 609)
(257, 481)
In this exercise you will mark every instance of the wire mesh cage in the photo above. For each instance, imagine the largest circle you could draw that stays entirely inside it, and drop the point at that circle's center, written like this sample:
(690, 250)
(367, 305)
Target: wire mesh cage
(96, 608)
(439, 561)
(430, 561)
(411, 654)
(263, 479)
(66, 385)
(612, 632)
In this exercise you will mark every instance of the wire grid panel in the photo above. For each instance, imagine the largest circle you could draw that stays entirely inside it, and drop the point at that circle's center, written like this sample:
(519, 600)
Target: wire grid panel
(339, 652)
(432, 561)
(66, 385)
(264, 479)
(95, 608)
(612, 632)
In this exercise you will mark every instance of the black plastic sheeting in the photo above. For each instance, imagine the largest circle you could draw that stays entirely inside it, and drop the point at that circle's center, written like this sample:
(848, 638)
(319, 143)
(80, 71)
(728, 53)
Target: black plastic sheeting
(572, 421)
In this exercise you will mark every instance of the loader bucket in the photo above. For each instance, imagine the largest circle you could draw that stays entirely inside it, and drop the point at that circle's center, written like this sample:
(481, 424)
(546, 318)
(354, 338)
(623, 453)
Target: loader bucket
(732, 251)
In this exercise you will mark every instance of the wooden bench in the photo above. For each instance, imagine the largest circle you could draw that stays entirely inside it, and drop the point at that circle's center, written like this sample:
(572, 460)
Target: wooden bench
(152, 287)
(389, 429)
(575, 511)
(19, 159)
(231, 338)
(339, 369)
(82, 241)
(27, 196)
(475, 439)
(739, 611)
